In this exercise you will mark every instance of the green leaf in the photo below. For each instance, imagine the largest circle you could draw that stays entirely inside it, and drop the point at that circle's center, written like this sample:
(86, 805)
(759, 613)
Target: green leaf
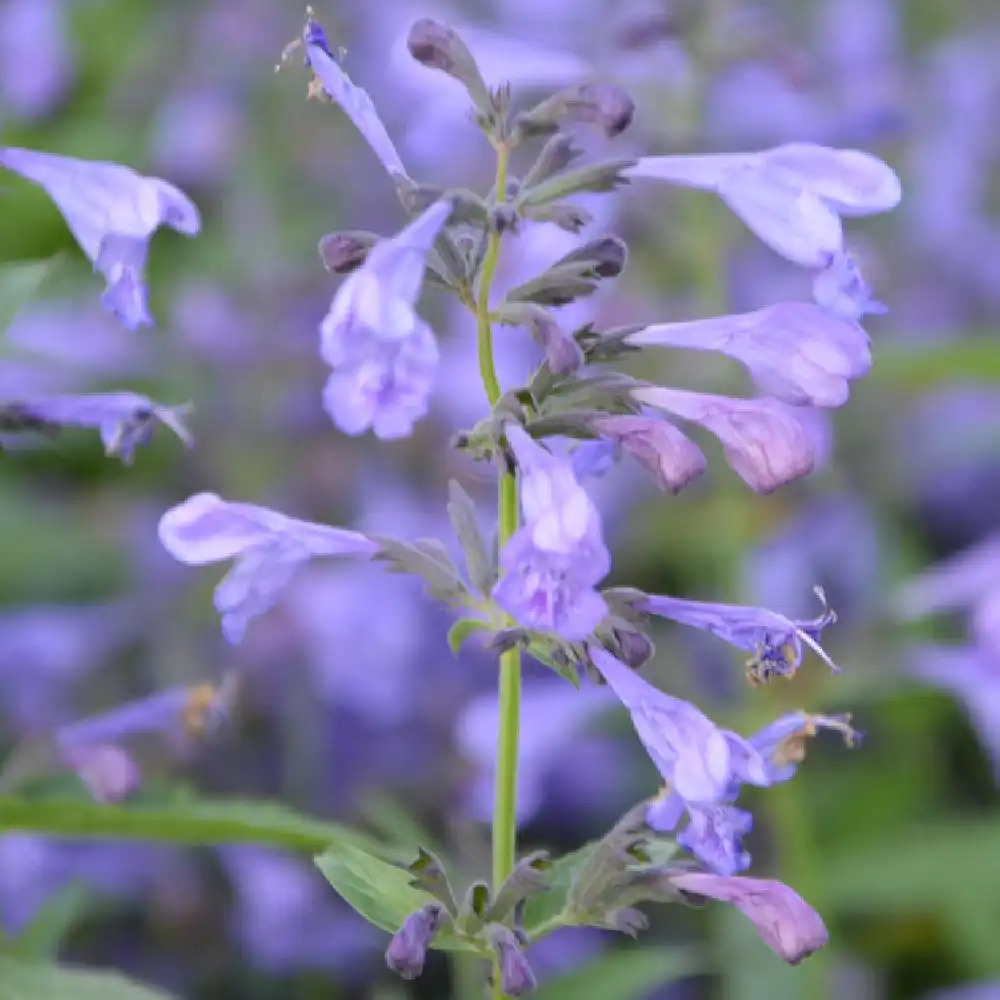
(462, 513)
(30, 981)
(461, 631)
(41, 938)
(547, 905)
(624, 974)
(19, 283)
(185, 821)
(381, 892)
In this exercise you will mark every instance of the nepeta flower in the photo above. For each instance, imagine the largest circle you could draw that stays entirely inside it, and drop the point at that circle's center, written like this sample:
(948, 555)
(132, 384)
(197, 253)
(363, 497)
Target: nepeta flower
(791, 196)
(841, 290)
(766, 443)
(775, 641)
(268, 548)
(795, 351)
(659, 447)
(782, 744)
(407, 950)
(112, 211)
(551, 565)
(789, 926)
(126, 420)
(354, 101)
(700, 763)
(384, 355)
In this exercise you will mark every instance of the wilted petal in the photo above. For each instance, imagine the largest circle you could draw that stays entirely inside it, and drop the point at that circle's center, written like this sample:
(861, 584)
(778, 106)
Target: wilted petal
(782, 744)
(112, 211)
(269, 548)
(795, 351)
(785, 921)
(766, 443)
(354, 101)
(125, 420)
(660, 448)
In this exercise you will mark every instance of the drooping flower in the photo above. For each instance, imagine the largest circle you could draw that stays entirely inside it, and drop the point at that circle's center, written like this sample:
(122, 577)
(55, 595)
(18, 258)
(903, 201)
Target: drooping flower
(795, 351)
(766, 443)
(516, 975)
(774, 641)
(791, 196)
(551, 565)
(383, 354)
(332, 81)
(660, 448)
(782, 743)
(700, 763)
(113, 212)
(788, 925)
(268, 548)
(407, 950)
(126, 420)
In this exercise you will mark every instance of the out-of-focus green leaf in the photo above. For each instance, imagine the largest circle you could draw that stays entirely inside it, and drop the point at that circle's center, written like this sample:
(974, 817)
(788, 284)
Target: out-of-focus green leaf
(547, 905)
(917, 368)
(624, 974)
(29, 981)
(40, 940)
(380, 892)
(19, 283)
(187, 821)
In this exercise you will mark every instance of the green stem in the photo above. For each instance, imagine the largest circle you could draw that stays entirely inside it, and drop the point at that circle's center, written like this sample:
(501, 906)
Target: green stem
(505, 796)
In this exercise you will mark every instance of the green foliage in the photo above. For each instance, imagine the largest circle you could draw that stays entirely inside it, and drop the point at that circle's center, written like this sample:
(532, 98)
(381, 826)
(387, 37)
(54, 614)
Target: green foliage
(19, 284)
(28, 981)
(41, 938)
(625, 974)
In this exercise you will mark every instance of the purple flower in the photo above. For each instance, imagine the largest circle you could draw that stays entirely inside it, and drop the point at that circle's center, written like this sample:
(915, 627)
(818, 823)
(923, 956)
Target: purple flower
(407, 950)
(975, 991)
(660, 448)
(841, 290)
(782, 744)
(795, 351)
(268, 547)
(516, 976)
(551, 565)
(109, 772)
(700, 763)
(788, 925)
(774, 640)
(766, 443)
(791, 196)
(126, 420)
(36, 60)
(112, 211)
(383, 354)
(331, 80)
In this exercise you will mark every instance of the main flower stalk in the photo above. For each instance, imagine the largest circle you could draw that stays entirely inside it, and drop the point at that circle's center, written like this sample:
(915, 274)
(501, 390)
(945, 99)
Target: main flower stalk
(505, 794)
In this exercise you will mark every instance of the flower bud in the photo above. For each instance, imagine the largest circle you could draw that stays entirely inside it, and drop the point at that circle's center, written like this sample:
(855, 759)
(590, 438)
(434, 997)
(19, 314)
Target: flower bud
(439, 46)
(407, 950)
(601, 104)
(556, 155)
(344, 252)
(516, 977)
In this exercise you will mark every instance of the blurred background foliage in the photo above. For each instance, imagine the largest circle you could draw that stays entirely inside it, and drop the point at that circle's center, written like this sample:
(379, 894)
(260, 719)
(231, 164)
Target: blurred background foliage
(352, 706)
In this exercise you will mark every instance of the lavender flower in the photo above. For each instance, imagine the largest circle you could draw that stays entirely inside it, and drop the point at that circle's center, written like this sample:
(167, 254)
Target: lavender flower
(112, 211)
(551, 565)
(268, 547)
(516, 975)
(774, 640)
(332, 81)
(795, 351)
(700, 764)
(660, 448)
(766, 443)
(384, 355)
(788, 925)
(126, 420)
(791, 196)
(842, 291)
(407, 950)
(109, 772)
(782, 744)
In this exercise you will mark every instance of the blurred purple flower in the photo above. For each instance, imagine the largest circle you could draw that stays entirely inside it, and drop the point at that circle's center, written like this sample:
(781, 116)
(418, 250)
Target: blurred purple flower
(660, 448)
(286, 919)
(551, 565)
(109, 772)
(126, 420)
(789, 926)
(268, 548)
(112, 211)
(354, 101)
(36, 61)
(198, 135)
(384, 355)
(795, 351)
(975, 991)
(766, 443)
(700, 764)
(841, 291)
(774, 640)
(791, 196)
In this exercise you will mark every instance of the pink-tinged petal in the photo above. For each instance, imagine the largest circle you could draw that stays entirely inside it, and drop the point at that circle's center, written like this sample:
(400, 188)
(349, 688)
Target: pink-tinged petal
(788, 925)
(109, 772)
(660, 448)
(796, 351)
(765, 442)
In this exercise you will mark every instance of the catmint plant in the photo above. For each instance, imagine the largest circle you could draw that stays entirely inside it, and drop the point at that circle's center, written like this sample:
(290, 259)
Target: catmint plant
(533, 586)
